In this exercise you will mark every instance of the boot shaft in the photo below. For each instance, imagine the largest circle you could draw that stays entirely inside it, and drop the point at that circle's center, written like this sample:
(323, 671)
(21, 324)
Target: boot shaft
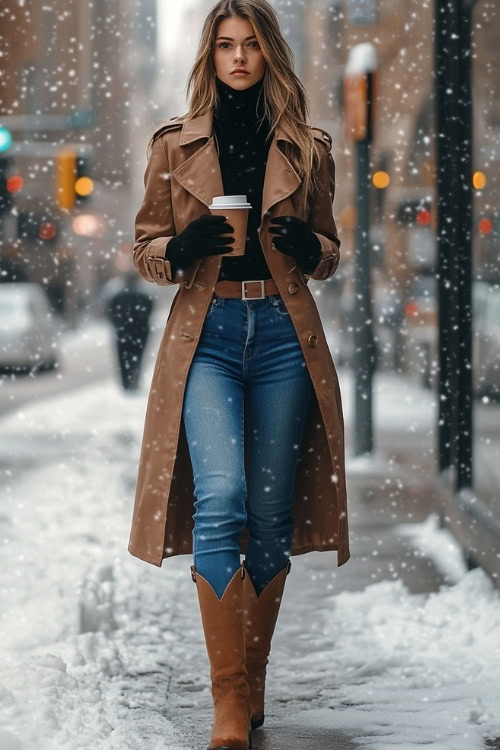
(261, 614)
(222, 621)
(223, 627)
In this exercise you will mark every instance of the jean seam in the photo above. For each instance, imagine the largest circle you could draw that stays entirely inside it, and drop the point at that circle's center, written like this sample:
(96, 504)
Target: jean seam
(245, 355)
(283, 314)
(214, 302)
(210, 309)
(242, 435)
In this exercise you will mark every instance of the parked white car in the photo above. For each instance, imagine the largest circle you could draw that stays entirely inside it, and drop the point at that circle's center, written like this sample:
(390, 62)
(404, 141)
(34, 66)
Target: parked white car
(29, 329)
(486, 341)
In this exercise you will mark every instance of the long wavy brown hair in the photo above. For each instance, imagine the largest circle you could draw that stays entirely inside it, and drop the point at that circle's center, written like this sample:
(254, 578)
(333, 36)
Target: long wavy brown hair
(285, 100)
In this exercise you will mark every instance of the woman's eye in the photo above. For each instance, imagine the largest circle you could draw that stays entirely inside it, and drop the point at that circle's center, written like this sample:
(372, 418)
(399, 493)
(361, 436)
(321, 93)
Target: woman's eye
(222, 43)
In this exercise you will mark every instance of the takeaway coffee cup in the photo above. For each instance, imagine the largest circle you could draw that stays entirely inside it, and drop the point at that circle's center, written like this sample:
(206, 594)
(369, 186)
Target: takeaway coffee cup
(235, 208)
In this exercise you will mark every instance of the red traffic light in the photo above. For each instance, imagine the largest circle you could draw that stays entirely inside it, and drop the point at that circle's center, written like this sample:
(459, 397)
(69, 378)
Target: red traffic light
(47, 231)
(37, 226)
(15, 183)
(423, 217)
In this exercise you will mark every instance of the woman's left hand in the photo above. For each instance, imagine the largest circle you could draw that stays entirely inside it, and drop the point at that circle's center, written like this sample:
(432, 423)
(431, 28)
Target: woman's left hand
(293, 237)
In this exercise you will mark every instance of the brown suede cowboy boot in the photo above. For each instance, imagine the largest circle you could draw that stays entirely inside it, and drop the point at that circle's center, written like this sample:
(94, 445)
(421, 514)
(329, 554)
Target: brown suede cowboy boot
(225, 641)
(261, 613)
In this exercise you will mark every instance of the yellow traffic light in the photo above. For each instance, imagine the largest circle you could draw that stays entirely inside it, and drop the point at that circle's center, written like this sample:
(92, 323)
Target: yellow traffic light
(84, 186)
(65, 179)
(479, 180)
(380, 179)
(74, 185)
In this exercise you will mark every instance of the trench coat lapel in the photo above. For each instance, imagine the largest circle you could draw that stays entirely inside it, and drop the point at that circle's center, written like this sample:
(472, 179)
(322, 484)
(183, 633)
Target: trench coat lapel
(201, 176)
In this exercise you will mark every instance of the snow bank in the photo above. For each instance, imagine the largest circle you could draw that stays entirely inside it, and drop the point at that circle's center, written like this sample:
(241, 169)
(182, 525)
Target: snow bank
(412, 669)
(84, 626)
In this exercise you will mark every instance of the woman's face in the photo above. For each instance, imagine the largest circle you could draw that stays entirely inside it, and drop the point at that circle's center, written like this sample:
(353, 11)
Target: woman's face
(237, 47)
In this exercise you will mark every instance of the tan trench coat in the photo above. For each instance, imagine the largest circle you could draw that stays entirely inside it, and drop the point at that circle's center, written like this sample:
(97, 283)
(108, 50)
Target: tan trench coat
(181, 178)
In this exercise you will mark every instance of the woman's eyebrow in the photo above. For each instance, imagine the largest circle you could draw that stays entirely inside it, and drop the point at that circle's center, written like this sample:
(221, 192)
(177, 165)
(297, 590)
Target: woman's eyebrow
(232, 40)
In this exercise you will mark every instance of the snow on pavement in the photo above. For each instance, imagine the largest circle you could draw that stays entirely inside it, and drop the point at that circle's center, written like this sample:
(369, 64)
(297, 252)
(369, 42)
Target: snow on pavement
(84, 630)
(411, 670)
(90, 637)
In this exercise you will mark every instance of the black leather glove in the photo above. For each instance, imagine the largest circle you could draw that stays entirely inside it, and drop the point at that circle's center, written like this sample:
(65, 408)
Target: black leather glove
(293, 237)
(199, 239)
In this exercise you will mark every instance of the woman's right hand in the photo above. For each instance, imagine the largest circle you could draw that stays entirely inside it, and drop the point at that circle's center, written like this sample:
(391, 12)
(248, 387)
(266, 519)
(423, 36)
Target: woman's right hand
(199, 239)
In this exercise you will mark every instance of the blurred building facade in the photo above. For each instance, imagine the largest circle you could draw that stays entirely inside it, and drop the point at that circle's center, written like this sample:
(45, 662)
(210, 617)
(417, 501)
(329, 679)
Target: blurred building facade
(98, 67)
(74, 73)
(405, 135)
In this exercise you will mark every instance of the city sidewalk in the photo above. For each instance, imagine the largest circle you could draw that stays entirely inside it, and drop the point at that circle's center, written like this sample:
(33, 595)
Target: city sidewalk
(100, 650)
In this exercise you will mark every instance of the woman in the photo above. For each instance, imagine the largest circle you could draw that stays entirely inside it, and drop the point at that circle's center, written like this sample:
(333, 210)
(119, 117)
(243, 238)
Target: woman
(244, 413)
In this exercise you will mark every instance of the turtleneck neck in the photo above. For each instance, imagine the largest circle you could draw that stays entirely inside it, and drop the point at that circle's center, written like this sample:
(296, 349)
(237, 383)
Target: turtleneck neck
(242, 135)
(239, 103)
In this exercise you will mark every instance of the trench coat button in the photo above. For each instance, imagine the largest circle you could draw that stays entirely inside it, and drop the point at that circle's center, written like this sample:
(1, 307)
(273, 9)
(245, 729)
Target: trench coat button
(312, 340)
(293, 288)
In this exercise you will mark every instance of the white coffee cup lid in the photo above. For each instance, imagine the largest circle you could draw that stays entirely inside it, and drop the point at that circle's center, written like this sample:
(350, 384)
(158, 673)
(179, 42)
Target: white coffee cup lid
(230, 201)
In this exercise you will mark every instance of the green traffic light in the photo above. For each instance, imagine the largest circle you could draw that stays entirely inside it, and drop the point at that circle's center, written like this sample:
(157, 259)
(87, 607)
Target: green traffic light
(5, 139)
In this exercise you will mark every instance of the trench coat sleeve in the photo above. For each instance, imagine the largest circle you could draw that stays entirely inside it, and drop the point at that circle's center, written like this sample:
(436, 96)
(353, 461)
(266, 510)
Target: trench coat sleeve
(154, 225)
(321, 219)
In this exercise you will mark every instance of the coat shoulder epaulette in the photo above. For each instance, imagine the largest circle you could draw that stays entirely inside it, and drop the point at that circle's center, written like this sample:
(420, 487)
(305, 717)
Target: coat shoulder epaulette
(173, 124)
(323, 136)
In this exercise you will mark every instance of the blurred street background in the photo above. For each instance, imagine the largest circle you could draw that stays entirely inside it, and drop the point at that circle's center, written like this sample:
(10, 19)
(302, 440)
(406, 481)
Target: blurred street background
(410, 92)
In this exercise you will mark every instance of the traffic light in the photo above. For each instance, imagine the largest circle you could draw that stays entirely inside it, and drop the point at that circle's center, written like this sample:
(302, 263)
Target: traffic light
(6, 197)
(65, 179)
(5, 139)
(414, 211)
(37, 226)
(74, 185)
(84, 184)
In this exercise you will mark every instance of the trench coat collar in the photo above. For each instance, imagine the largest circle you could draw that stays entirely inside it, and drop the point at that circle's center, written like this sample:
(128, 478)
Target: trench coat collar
(200, 174)
(201, 126)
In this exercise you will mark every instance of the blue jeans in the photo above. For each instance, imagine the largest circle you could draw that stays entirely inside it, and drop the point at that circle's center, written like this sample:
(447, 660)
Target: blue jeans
(248, 384)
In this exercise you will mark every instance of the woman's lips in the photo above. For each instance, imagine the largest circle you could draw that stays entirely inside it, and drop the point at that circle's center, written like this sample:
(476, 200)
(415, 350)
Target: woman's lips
(240, 73)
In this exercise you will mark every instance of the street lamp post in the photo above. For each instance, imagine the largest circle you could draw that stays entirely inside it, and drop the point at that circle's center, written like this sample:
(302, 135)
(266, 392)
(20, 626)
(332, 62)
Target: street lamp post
(359, 100)
(453, 97)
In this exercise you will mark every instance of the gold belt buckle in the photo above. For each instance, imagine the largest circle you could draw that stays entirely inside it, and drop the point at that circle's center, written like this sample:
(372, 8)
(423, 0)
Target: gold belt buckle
(257, 281)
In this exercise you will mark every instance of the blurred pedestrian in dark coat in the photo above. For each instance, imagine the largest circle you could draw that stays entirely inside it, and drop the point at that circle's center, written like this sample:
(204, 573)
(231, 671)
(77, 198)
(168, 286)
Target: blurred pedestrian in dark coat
(128, 307)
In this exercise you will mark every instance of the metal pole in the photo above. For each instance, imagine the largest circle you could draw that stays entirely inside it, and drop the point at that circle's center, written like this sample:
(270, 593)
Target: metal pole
(454, 235)
(363, 360)
(446, 95)
(360, 100)
(440, 99)
(464, 255)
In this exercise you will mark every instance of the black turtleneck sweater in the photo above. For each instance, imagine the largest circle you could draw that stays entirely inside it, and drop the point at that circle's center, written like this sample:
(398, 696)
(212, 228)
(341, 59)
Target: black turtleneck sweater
(243, 156)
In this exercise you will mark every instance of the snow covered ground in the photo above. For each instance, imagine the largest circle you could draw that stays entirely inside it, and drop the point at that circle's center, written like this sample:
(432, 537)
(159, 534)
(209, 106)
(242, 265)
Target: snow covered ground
(91, 639)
